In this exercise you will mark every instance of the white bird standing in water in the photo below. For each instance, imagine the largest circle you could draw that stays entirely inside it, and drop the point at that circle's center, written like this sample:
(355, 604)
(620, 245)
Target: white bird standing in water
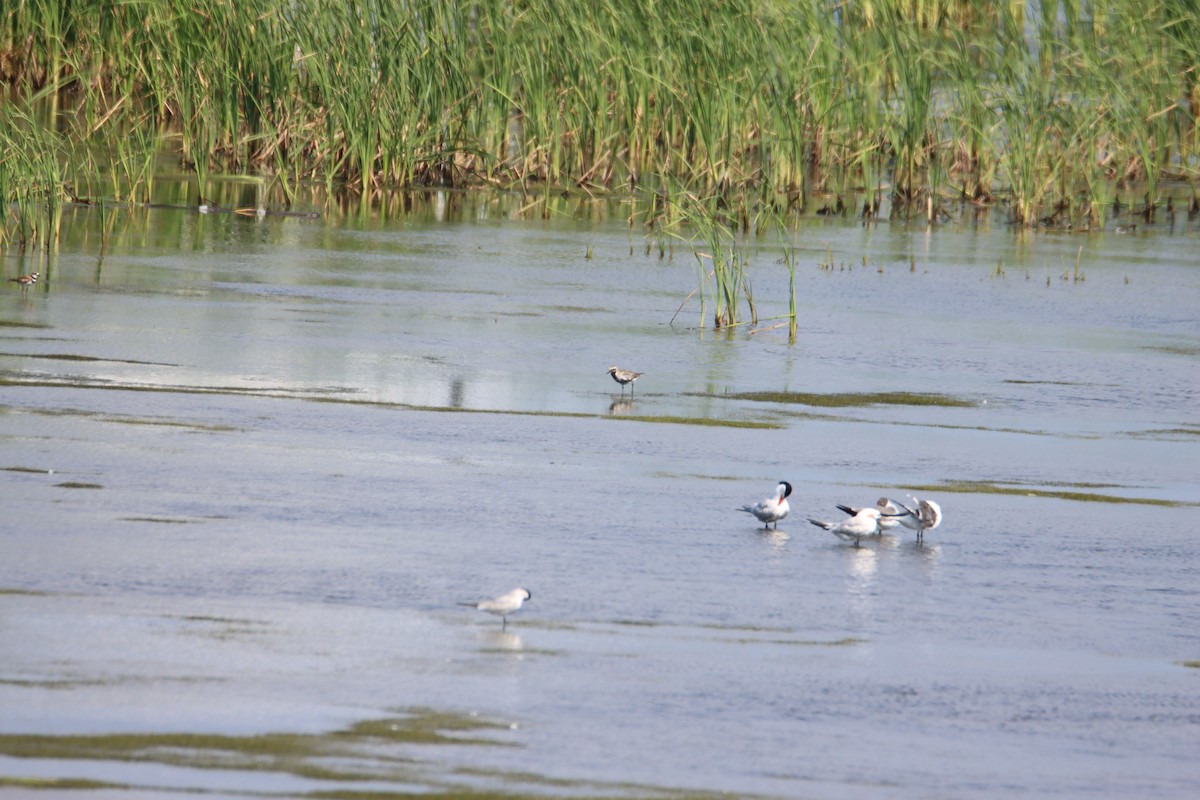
(926, 517)
(864, 523)
(623, 376)
(771, 509)
(502, 606)
(889, 510)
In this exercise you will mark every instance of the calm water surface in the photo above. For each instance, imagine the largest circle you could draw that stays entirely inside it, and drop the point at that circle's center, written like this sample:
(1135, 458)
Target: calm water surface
(251, 467)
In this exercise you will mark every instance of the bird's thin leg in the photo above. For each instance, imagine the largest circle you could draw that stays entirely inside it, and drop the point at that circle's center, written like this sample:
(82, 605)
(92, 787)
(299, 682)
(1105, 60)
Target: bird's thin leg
(503, 623)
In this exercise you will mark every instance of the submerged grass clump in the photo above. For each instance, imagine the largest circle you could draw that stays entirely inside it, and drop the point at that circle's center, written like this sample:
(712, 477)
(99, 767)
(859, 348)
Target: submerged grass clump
(64, 784)
(1055, 109)
(285, 752)
(1167, 432)
(705, 422)
(367, 754)
(425, 726)
(852, 399)
(987, 487)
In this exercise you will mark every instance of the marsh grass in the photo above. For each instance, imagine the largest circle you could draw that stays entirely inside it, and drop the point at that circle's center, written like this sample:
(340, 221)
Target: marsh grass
(358, 761)
(759, 106)
(790, 260)
(1072, 493)
(721, 263)
(309, 755)
(704, 422)
(32, 180)
(62, 784)
(853, 399)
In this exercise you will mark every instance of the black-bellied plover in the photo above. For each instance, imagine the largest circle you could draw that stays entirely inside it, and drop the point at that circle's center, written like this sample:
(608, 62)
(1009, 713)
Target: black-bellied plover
(502, 606)
(772, 509)
(624, 376)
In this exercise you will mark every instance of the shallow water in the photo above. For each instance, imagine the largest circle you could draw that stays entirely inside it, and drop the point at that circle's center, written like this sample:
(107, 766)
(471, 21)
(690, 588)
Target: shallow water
(253, 465)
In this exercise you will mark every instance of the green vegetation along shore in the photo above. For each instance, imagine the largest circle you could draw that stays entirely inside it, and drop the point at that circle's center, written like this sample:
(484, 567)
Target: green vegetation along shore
(1050, 111)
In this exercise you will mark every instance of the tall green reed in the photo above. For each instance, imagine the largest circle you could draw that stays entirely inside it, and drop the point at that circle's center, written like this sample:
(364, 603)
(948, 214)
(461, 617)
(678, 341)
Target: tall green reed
(763, 104)
(32, 182)
(721, 264)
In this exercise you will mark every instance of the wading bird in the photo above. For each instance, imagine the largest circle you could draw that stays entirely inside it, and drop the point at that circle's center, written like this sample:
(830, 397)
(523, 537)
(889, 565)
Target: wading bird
(864, 523)
(502, 606)
(771, 509)
(888, 511)
(623, 376)
(926, 517)
(25, 281)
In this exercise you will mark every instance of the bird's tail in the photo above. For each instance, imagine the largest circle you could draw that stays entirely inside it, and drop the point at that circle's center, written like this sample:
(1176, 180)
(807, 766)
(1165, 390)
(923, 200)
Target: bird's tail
(848, 510)
(819, 524)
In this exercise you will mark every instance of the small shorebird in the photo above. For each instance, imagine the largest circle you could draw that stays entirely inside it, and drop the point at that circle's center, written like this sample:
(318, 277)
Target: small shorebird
(772, 509)
(623, 376)
(25, 281)
(926, 517)
(502, 606)
(864, 523)
(889, 510)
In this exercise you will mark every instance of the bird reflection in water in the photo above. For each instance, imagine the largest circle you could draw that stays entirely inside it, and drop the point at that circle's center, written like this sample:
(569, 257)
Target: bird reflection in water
(860, 578)
(503, 641)
(620, 407)
(777, 541)
(927, 554)
(456, 393)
